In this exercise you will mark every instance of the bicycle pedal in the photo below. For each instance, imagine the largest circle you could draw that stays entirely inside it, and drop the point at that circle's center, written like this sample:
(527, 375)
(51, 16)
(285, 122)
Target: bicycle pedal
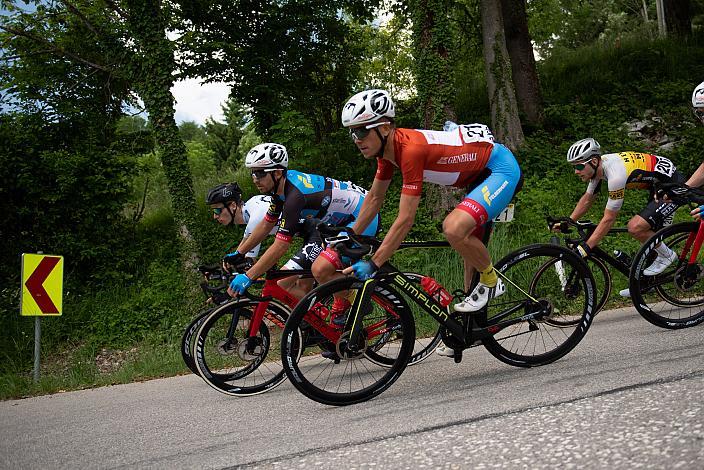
(458, 356)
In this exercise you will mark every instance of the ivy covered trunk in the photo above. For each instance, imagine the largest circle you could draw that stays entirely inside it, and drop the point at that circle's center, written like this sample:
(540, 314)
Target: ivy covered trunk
(433, 39)
(520, 51)
(502, 98)
(154, 69)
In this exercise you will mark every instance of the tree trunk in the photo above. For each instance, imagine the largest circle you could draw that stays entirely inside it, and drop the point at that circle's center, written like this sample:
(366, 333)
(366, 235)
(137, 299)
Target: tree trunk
(432, 40)
(502, 98)
(520, 51)
(154, 66)
(678, 17)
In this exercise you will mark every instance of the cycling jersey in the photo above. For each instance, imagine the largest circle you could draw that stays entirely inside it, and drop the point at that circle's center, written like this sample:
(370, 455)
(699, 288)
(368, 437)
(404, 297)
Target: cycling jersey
(462, 157)
(253, 212)
(453, 158)
(632, 170)
(312, 196)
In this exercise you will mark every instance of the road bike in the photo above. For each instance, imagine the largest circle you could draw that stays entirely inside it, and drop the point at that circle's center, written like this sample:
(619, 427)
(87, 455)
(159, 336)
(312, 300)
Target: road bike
(598, 261)
(533, 323)
(674, 298)
(227, 344)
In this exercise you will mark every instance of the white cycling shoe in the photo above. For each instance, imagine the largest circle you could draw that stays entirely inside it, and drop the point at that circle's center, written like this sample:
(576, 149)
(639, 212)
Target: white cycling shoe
(445, 351)
(660, 264)
(480, 296)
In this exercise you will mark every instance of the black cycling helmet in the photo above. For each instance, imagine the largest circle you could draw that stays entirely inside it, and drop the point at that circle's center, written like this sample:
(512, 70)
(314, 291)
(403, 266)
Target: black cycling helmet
(224, 193)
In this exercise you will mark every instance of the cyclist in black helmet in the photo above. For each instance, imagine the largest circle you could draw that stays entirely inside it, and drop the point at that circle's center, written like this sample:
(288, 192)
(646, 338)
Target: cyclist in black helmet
(225, 200)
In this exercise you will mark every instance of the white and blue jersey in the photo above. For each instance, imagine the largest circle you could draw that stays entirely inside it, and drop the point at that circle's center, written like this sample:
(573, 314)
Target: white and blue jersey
(312, 196)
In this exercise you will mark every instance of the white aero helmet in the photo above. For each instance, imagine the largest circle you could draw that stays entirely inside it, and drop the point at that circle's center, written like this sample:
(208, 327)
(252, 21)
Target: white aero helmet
(366, 107)
(698, 96)
(583, 150)
(267, 155)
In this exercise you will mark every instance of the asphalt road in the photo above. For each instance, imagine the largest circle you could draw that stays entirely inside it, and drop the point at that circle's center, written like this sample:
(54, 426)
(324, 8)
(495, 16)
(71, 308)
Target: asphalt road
(630, 395)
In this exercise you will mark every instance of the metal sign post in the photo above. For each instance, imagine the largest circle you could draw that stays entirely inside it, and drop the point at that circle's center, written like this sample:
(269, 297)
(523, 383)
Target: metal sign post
(42, 293)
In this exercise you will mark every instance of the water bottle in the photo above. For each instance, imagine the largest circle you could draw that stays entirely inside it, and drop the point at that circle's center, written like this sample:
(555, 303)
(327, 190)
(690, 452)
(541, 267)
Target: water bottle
(436, 291)
(622, 257)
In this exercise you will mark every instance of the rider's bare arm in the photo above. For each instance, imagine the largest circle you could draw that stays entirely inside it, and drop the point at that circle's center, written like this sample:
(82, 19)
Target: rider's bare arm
(256, 237)
(697, 178)
(583, 205)
(402, 225)
(371, 205)
(607, 221)
(270, 257)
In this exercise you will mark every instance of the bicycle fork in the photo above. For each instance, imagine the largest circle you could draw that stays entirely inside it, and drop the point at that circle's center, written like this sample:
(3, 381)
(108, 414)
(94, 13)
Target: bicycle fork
(361, 307)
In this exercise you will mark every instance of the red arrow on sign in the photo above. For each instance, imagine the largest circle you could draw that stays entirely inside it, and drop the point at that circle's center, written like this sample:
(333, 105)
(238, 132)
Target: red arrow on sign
(35, 284)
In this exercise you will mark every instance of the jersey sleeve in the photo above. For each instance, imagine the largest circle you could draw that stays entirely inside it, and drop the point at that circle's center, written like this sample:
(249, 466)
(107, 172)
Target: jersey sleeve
(291, 216)
(275, 209)
(384, 170)
(616, 176)
(257, 210)
(411, 164)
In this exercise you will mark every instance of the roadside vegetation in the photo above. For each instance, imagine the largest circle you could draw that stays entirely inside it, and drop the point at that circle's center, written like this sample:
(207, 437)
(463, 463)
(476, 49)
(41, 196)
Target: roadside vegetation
(93, 188)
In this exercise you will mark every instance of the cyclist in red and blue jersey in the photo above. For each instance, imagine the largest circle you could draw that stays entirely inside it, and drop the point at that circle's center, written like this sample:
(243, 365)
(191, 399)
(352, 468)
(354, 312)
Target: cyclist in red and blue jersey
(466, 157)
(298, 199)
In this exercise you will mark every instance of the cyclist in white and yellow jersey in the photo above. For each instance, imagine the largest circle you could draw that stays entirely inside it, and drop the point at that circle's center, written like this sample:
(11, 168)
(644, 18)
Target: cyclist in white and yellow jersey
(621, 171)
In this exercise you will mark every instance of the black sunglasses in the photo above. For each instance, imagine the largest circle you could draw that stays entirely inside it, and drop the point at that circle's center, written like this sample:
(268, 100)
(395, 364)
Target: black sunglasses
(218, 210)
(579, 166)
(359, 133)
(259, 174)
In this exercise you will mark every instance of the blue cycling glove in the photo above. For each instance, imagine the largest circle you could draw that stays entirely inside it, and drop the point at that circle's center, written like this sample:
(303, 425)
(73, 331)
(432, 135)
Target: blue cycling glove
(364, 270)
(240, 283)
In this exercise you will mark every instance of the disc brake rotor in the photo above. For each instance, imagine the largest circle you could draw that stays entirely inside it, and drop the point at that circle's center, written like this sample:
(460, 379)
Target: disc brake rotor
(250, 354)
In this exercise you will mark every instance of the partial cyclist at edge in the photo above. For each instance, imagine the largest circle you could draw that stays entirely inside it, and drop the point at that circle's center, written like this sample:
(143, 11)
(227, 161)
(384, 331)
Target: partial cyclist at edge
(466, 157)
(621, 171)
(300, 200)
(697, 178)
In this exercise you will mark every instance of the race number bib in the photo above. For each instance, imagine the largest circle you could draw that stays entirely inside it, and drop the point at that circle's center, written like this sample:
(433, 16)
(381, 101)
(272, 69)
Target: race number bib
(476, 133)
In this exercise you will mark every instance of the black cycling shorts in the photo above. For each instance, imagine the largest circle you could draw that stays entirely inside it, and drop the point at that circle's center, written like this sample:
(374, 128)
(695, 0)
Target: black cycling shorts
(660, 214)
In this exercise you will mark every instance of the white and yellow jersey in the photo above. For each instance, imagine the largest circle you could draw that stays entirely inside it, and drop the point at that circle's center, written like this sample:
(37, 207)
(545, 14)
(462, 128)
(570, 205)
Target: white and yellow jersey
(631, 170)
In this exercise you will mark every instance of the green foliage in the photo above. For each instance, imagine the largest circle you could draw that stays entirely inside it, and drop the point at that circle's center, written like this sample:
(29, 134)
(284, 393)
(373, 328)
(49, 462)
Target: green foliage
(190, 131)
(287, 55)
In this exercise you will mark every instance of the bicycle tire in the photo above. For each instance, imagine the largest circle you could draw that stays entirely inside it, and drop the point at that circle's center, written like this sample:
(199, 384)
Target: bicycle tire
(660, 299)
(249, 375)
(331, 380)
(602, 282)
(186, 339)
(539, 341)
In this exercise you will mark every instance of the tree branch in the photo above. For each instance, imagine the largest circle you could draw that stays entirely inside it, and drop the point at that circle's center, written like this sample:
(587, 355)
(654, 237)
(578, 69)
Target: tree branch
(54, 48)
(114, 7)
(83, 17)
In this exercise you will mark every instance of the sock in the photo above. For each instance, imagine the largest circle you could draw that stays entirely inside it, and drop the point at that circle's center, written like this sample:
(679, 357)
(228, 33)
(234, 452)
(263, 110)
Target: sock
(488, 276)
(663, 250)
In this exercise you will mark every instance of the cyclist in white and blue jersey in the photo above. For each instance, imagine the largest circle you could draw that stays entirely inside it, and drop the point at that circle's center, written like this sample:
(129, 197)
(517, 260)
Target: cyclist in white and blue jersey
(297, 199)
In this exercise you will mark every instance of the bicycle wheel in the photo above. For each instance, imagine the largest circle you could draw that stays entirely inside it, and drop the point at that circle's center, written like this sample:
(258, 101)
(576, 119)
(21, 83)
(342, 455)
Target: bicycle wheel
(674, 298)
(315, 353)
(570, 283)
(427, 335)
(600, 271)
(187, 338)
(537, 321)
(234, 364)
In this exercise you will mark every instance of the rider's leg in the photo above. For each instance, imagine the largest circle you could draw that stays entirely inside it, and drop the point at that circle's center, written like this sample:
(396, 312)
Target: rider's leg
(656, 215)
